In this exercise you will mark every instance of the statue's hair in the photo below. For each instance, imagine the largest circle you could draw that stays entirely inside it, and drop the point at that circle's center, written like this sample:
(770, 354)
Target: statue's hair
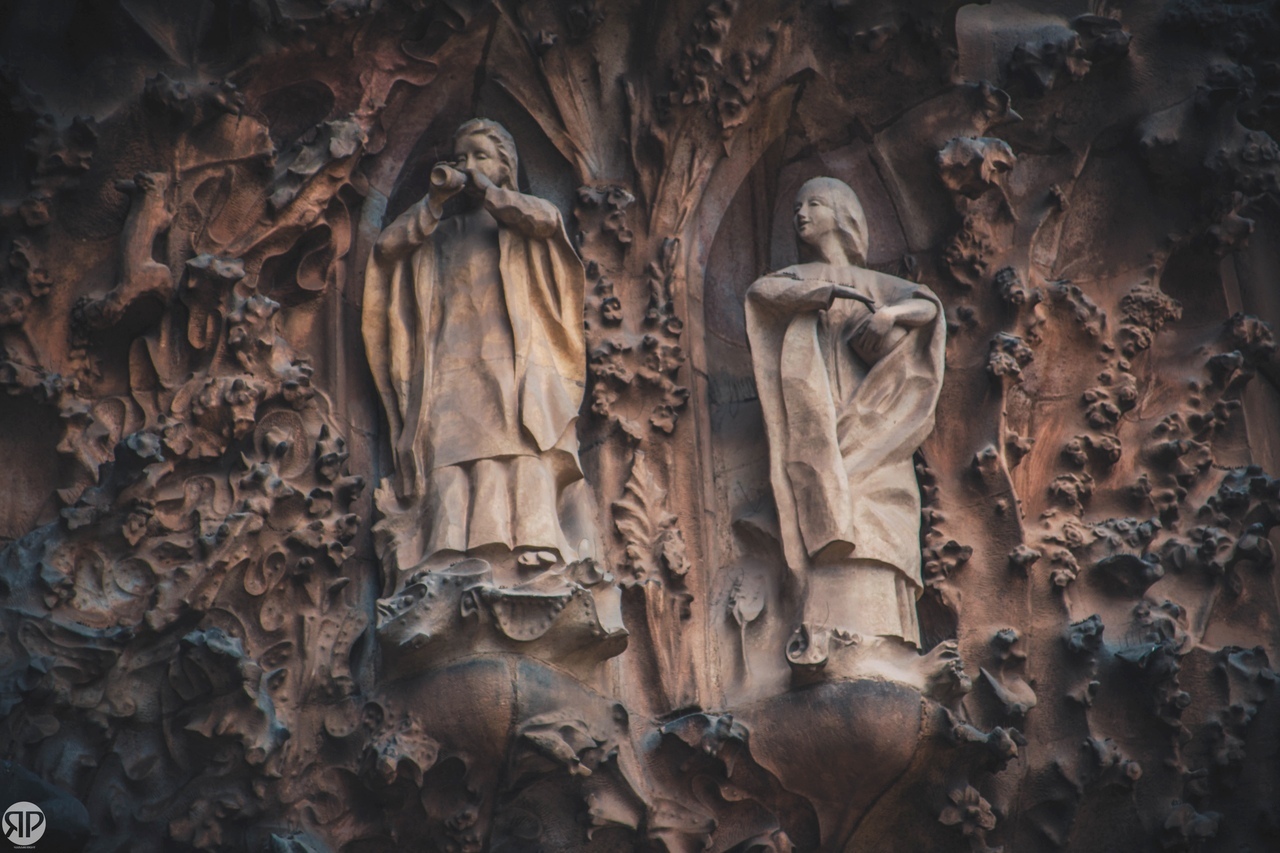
(501, 139)
(851, 221)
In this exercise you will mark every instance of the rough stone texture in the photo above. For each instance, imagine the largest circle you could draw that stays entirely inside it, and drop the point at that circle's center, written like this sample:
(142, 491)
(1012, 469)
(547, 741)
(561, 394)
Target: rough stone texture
(200, 648)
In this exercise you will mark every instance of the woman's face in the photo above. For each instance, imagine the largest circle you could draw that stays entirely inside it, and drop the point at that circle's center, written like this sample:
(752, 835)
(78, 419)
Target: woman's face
(814, 215)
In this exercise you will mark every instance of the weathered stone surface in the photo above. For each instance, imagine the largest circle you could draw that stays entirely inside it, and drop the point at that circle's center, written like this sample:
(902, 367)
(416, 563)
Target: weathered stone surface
(236, 611)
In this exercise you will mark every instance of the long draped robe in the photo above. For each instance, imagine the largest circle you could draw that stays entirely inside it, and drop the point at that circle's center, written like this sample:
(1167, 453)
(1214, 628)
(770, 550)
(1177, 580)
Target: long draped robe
(457, 498)
(843, 422)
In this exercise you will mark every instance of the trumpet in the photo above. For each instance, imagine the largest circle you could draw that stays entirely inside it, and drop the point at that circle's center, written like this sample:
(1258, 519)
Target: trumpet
(445, 177)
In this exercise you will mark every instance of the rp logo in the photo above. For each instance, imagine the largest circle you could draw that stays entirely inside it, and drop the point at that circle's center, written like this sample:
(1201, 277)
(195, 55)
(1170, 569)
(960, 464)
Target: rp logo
(23, 823)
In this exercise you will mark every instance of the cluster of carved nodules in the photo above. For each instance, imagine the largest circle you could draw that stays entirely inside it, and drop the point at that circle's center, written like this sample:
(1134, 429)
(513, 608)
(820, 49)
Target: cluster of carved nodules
(761, 437)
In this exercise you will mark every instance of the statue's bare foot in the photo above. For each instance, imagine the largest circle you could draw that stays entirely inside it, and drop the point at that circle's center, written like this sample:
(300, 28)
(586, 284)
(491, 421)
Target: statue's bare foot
(808, 649)
(535, 559)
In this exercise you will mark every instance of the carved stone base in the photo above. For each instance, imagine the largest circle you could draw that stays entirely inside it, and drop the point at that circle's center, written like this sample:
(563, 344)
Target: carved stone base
(572, 616)
(483, 752)
(819, 654)
(884, 723)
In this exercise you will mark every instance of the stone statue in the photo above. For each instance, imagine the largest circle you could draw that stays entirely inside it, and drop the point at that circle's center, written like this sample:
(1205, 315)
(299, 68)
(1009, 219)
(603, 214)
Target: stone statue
(473, 328)
(848, 363)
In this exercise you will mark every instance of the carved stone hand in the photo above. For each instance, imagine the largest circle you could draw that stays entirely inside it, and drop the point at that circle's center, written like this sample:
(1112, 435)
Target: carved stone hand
(879, 333)
(478, 182)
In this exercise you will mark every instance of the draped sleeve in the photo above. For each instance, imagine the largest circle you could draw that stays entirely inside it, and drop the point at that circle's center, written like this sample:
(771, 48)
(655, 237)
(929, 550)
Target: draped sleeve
(545, 286)
(395, 318)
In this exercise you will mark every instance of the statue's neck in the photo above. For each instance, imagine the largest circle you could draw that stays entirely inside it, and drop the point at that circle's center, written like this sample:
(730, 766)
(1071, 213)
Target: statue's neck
(828, 249)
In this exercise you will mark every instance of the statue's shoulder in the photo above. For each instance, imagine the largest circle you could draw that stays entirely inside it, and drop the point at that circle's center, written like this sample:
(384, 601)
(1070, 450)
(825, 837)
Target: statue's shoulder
(541, 203)
(773, 284)
(888, 288)
(795, 272)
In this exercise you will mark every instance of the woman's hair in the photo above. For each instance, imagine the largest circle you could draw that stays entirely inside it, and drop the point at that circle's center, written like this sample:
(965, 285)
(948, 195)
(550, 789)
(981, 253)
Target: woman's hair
(501, 139)
(851, 222)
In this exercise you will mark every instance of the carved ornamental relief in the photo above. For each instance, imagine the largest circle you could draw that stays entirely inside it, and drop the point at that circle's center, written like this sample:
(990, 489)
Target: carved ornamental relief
(610, 475)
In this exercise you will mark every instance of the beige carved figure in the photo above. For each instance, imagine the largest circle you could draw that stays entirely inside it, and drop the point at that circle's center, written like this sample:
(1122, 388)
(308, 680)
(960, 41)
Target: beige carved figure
(473, 327)
(848, 363)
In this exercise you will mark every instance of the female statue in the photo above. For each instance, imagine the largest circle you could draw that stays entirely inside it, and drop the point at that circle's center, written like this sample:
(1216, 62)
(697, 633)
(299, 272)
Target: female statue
(848, 363)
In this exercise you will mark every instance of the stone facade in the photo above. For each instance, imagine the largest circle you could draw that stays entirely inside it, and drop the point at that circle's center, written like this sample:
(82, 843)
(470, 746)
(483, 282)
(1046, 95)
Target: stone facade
(789, 425)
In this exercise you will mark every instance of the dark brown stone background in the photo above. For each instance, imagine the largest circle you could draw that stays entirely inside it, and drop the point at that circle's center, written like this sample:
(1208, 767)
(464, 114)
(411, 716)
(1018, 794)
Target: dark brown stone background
(189, 653)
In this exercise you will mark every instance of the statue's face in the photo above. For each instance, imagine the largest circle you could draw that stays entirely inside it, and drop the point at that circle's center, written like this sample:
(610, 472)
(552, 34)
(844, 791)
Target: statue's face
(477, 151)
(814, 214)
